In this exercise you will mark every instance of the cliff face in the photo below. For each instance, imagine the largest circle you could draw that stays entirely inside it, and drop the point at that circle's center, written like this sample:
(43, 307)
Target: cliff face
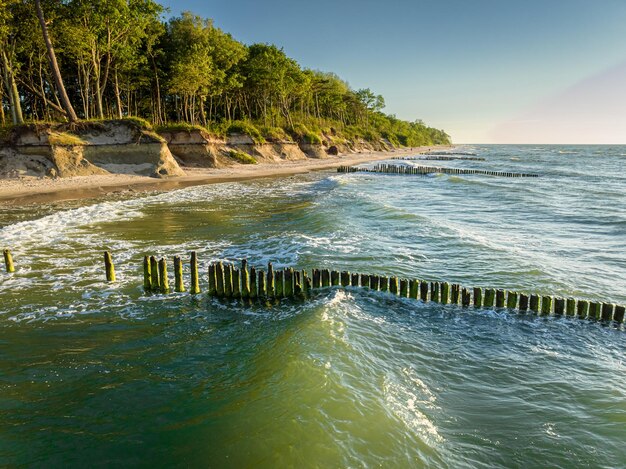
(86, 149)
(61, 150)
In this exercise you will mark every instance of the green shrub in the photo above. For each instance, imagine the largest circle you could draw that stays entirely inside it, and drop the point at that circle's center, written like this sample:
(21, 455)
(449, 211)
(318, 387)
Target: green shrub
(139, 122)
(179, 126)
(241, 157)
(274, 133)
(242, 127)
(64, 138)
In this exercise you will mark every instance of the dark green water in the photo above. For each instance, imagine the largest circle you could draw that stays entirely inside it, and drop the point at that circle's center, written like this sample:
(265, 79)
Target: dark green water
(93, 374)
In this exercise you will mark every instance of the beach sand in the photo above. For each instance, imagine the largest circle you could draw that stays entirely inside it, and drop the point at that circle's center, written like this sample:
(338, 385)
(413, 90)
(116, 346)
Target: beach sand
(35, 190)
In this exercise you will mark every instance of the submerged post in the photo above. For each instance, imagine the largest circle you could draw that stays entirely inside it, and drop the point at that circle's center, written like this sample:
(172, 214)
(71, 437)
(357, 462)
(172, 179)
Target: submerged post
(478, 297)
(108, 267)
(228, 280)
(245, 282)
(253, 287)
(269, 286)
(219, 279)
(279, 283)
(445, 292)
(212, 280)
(424, 290)
(511, 300)
(156, 279)
(490, 297)
(194, 289)
(165, 286)
(179, 286)
(8, 261)
(546, 305)
(147, 275)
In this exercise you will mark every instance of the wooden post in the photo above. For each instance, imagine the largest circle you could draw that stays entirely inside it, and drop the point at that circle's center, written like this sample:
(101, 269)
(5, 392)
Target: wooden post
(465, 297)
(306, 284)
(582, 309)
(8, 261)
(354, 280)
(478, 297)
(219, 278)
(325, 278)
(194, 288)
(607, 311)
(445, 292)
(345, 279)
(434, 292)
(413, 289)
(534, 303)
(147, 275)
(108, 267)
(559, 306)
(393, 285)
(523, 302)
(261, 290)
(546, 305)
(570, 308)
(179, 285)
(165, 285)
(404, 287)
(245, 280)
(365, 280)
(236, 283)
(228, 280)
(511, 300)
(297, 282)
(289, 283)
(279, 282)
(269, 286)
(423, 290)
(499, 298)
(317, 279)
(334, 278)
(456, 294)
(154, 272)
(383, 283)
(253, 287)
(594, 310)
(490, 298)
(212, 280)
(374, 282)
(618, 316)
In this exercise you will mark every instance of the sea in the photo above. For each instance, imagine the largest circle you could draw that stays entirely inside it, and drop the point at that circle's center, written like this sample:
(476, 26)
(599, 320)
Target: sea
(97, 374)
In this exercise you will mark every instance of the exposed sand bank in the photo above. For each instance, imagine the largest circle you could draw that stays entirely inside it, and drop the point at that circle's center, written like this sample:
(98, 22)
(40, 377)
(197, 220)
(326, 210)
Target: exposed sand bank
(43, 190)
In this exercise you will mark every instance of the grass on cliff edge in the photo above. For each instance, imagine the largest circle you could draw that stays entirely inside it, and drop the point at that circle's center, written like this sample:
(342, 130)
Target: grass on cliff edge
(241, 157)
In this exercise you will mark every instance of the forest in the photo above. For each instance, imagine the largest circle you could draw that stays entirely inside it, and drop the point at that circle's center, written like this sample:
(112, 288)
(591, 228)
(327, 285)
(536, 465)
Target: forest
(64, 61)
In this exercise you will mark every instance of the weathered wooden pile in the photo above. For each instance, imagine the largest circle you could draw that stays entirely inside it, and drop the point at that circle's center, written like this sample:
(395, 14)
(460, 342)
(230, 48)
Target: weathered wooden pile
(225, 280)
(437, 158)
(422, 170)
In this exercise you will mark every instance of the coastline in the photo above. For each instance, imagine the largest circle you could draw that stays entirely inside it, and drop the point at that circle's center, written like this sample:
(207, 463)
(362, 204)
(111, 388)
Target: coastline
(37, 191)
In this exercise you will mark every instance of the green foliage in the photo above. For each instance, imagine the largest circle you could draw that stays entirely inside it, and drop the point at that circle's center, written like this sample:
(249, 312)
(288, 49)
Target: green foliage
(65, 139)
(120, 58)
(241, 157)
(179, 126)
(138, 122)
(242, 127)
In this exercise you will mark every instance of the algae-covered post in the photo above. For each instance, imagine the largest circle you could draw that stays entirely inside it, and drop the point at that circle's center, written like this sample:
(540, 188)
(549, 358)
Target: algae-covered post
(154, 271)
(219, 279)
(245, 280)
(147, 275)
(165, 286)
(253, 287)
(108, 267)
(212, 280)
(179, 285)
(269, 286)
(195, 283)
(478, 297)
(8, 261)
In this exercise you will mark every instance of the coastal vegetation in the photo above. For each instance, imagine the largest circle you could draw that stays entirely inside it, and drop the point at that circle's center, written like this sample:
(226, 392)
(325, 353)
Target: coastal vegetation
(63, 61)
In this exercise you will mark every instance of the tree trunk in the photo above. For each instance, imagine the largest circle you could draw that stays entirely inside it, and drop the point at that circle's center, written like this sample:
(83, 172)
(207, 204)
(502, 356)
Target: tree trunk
(56, 73)
(13, 94)
(118, 100)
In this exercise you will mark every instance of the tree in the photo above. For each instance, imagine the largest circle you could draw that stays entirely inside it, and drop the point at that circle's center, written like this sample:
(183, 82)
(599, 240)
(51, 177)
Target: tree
(54, 66)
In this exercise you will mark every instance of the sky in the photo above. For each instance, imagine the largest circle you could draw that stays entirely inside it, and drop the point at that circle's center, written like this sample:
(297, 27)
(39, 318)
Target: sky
(485, 71)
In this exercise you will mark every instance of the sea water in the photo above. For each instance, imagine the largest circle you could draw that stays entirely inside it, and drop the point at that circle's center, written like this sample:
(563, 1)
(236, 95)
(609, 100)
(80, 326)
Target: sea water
(97, 374)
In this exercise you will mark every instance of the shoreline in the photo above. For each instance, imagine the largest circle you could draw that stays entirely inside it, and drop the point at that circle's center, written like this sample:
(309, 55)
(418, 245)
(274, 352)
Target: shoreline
(40, 191)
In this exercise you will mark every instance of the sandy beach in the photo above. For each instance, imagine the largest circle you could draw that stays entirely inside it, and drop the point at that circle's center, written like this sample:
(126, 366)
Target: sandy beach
(43, 190)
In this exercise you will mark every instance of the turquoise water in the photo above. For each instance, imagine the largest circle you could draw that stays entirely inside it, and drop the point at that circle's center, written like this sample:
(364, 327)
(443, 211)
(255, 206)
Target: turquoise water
(99, 374)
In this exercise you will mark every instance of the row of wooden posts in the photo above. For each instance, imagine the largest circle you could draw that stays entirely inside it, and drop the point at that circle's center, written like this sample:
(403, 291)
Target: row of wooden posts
(421, 170)
(446, 153)
(438, 158)
(225, 280)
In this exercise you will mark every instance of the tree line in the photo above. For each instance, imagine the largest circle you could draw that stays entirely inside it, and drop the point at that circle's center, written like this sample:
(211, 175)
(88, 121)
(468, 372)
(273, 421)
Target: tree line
(81, 59)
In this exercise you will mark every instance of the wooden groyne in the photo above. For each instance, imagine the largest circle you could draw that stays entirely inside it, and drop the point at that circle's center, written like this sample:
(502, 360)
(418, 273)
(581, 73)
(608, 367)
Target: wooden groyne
(446, 153)
(423, 170)
(230, 281)
(438, 158)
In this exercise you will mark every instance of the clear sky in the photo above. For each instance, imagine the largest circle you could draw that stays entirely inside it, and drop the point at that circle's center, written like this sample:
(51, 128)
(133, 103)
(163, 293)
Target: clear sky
(486, 71)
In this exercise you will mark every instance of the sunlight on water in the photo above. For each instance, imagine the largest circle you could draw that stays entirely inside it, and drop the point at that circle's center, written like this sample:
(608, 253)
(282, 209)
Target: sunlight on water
(100, 372)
